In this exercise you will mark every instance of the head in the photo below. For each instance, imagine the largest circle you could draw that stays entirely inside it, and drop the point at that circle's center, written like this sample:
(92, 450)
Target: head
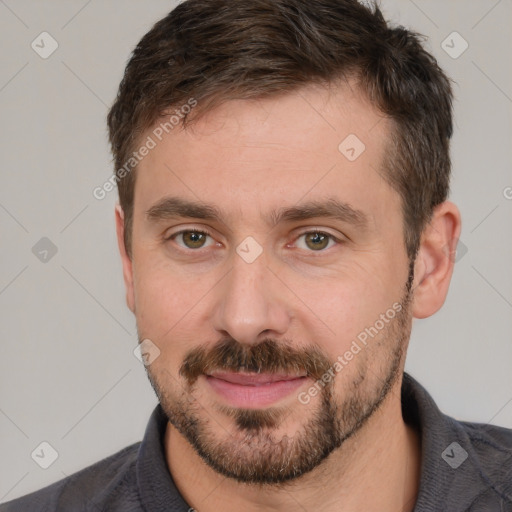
(283, 168)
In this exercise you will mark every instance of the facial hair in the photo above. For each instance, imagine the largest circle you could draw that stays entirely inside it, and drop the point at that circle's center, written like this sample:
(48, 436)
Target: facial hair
(254, 454)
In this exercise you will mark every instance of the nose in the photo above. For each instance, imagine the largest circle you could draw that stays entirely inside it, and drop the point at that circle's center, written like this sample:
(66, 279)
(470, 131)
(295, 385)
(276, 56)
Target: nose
(250, 304)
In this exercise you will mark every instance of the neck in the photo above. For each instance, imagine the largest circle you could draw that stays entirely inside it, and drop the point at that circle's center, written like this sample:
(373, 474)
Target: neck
(377, 469)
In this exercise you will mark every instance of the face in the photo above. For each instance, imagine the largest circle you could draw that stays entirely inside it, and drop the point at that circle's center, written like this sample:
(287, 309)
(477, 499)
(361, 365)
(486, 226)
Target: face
(269, 268)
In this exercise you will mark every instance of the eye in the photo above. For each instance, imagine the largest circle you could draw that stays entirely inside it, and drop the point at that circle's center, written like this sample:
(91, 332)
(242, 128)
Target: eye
(317, 240)
(190, 238)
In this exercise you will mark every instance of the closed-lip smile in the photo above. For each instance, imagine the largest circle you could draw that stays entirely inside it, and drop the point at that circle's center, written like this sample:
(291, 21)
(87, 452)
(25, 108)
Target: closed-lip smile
(253, 390)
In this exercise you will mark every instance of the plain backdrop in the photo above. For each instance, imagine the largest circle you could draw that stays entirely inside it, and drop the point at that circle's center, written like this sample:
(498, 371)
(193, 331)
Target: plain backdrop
(68, 373)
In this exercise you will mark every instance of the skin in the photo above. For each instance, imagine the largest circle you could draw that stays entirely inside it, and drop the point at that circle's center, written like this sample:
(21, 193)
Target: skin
(248, 157)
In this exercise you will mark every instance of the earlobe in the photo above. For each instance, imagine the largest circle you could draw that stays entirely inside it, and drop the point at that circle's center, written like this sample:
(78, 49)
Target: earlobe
(125, 259)
(434, 264)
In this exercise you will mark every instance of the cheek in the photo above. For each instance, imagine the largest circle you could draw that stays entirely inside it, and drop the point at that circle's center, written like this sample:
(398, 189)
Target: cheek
(162, 298)
(338, 307)
(170, 308)
(164, 314)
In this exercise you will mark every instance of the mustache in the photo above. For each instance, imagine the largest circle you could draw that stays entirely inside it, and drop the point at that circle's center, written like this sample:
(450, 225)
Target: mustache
(265, 357)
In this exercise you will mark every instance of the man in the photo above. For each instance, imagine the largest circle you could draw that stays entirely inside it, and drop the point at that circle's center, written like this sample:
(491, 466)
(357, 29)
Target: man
(283, 169)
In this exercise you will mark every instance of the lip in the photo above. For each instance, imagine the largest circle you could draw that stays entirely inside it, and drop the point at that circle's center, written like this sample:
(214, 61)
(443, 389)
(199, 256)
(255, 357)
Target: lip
(253, 390)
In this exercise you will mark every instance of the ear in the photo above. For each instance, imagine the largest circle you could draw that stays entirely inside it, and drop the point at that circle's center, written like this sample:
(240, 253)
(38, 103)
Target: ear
(125, 259)
(434, 263)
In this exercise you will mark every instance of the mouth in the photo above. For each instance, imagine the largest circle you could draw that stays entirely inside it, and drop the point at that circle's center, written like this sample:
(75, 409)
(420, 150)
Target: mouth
(253, 390)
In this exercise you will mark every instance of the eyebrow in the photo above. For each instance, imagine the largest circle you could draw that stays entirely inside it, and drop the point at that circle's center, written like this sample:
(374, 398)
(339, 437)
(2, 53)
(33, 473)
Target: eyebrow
(175, 207)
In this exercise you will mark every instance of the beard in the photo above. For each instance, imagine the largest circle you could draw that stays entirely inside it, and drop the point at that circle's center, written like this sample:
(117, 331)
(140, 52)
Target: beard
(250, 450)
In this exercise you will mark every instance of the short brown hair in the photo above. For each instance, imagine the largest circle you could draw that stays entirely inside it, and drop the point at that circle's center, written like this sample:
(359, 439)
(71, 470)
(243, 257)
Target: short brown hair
(217, 50)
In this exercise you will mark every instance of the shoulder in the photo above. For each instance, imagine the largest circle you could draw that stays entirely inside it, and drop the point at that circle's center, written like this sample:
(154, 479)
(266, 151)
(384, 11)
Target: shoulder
(489, 450)
(97, 487)
(491, 444)
(466, 466)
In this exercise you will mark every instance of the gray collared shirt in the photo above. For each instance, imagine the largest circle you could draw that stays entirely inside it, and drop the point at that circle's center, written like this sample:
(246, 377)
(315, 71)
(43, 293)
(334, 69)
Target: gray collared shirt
(465, 467)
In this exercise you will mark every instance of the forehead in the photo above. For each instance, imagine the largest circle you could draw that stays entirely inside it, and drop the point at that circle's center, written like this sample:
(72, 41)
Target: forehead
(244, 154)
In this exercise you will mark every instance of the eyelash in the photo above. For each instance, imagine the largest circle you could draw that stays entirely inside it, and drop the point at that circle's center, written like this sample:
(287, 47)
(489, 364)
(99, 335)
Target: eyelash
(206, 232)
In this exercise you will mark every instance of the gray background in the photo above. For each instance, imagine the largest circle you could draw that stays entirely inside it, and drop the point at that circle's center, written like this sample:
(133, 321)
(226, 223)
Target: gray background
(68, 373)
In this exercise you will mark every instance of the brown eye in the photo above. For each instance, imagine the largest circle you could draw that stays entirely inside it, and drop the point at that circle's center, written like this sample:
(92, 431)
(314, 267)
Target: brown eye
(316, 240)
(191, 239)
